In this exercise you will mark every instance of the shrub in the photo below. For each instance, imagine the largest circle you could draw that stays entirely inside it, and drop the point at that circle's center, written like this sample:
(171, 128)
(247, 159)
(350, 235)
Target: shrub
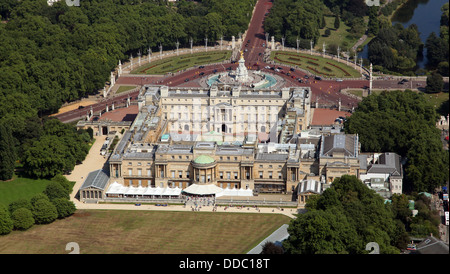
(64, 207)
(54, 190)
(6, 224)
(44, 212)
(19, 204)
(22, 218)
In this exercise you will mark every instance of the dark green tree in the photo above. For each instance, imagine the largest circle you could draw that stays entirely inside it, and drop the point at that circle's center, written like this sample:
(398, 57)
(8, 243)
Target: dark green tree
(54, 190)
(6, 224)
(7, 153)
(64, 207)
(435, 83)
(22, 219)
(44, 212)
(346, 217)
(271, 248)
(20, 203)
(337, 22)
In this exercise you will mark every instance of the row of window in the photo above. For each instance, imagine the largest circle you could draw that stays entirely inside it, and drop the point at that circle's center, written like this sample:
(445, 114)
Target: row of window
(180, 174)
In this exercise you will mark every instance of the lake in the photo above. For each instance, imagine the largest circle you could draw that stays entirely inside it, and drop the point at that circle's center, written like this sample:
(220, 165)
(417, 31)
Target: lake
(426, 14)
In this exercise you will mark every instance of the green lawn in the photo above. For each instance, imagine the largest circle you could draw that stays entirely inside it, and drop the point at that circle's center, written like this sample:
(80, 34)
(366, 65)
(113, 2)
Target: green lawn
(146, 232)
(325, 67)
(124, 88)
(20, 188)
(181, 62)
(341, 37)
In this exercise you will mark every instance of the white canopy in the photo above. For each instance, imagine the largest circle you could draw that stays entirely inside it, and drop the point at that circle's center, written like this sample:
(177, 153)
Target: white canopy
(213, 189)
(203, 189)
(235, 192)
(116, 188)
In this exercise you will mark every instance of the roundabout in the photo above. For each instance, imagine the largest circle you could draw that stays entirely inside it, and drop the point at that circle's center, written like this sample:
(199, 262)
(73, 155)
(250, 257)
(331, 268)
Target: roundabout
(243, 77)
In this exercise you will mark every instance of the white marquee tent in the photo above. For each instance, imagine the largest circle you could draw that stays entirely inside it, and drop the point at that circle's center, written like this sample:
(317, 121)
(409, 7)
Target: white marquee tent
(125, 191)
(210, 189)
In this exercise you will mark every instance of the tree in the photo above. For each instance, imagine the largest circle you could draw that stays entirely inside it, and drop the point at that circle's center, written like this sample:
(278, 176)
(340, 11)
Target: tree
(271, 248)
(64, 207)
(7, 153)
(55, 190)
(44, 212)
(346, 217)
(20, 203)
(437, 50)
(22, 219)
(435, 83)
(403, 122)
(6, 224)
(337, 22)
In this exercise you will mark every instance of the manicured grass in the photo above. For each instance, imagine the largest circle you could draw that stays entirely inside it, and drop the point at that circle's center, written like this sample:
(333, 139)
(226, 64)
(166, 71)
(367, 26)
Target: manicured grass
(124, 88)
(325, 67)
(149, 232)
(181, 62)
(19, 187)
(341, 37)
(437, 99)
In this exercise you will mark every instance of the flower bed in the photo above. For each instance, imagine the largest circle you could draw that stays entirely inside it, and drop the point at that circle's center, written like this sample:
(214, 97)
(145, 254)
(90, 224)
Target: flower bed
(338, 67)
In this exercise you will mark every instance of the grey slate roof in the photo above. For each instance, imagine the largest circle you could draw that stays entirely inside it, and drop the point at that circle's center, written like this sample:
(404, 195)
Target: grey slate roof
(388, 163)
(348, 144)
(96, 179)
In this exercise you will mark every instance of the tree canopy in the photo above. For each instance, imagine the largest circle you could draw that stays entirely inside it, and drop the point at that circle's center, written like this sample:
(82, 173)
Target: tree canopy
(403, 122)
(56, 54)
(343, 220)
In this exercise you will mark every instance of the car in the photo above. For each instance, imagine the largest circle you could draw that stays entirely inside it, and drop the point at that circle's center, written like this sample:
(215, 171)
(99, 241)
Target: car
(202, 73)
(246, 50)
(306, 77)
(338, 80)
(214, 71)
(318, 78)
(288, 74)
(277, 70)
(292, 69)
(248, 41)
(186, 80)
(246, 45)
(201, 67)
(80, 107)
(263, 44)
(400, 83)
(300, 80)
(267, 67)
(280, 68)
(293, 77)
(229, 68)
